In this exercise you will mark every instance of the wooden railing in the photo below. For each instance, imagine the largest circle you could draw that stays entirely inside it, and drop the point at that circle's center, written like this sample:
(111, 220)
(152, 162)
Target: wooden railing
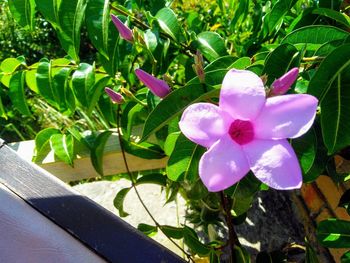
(83, 169)
(97, 228)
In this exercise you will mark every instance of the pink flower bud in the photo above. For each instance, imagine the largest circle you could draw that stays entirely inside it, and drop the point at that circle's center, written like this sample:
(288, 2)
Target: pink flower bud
(124, 31)
(158, 87)
(282, 84)
(115, 96)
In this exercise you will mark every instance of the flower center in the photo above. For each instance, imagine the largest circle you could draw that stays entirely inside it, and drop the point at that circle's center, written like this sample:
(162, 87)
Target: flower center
(241, 132)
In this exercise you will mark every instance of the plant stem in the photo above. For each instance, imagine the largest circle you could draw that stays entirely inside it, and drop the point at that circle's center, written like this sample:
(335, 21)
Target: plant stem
(137, 192)
(232, 236)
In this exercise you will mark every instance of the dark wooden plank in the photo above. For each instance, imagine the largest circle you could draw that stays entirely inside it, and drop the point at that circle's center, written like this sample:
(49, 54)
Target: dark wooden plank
(96, 227)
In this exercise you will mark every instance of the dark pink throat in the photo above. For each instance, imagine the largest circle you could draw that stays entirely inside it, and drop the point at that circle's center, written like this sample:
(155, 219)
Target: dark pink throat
(242, 132)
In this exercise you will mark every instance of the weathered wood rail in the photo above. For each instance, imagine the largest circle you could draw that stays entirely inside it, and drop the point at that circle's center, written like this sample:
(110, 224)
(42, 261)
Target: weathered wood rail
(83, 169)
(102, 232)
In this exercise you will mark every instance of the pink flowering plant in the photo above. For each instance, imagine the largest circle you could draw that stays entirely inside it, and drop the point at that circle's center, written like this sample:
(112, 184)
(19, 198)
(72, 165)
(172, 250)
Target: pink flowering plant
(248, 131)
(233, 100)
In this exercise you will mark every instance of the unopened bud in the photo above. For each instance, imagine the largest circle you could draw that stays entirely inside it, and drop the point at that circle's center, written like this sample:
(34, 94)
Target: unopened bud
(198, 66)
(115, 96)
(281, 85)
(158, 87)
(124, 31)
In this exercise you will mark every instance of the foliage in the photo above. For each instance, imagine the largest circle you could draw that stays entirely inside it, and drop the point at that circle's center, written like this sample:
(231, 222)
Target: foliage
(61, 54)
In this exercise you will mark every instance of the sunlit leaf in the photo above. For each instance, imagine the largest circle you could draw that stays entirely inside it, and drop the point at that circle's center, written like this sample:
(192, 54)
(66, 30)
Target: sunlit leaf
(17, 93)
(23, 12)
(63, 147)
(211, 45)
(97, 151)
(334, 233)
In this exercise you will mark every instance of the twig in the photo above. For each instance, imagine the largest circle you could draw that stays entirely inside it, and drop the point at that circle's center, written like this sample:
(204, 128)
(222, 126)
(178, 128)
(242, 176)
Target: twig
(233, 239)
(137, 192)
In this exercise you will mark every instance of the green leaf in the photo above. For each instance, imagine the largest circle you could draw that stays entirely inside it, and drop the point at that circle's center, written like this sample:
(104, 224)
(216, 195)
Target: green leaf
(332, 4)
(328, 47)
(63, 147)
(242, 194)
(321, 157)
(192, 241)
(144, 150)
(119, 201)
(42, 142)
(60, 85)
(17, 93)
(240, 63)
(71, 17)
(337, 16)
(31, 80)
(147, 229)
(8, 66)
(44, 83)
(315, 35)
(331, 85)
(49, 8)
(212, 78)
(151, 40)
(168, 23)
(23, 12)
(211, 45)
(305, 148)
(172, 105)
(241, 255)
(275, 17)
(2, 110)
(96, 91)
(83, 80)
(158, 179)
(170, 142)
(97, 24)
(97, 151)
(118, 59)
(78, 137)
(240, 14)
(224, 62)
(345, 258)
(184, 160)
(279, 61)
(334, 233)
(173, 232)
(310, 255)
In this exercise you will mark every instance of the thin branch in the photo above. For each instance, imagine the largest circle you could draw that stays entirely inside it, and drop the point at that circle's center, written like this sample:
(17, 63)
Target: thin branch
(137, 192)
(233, 238)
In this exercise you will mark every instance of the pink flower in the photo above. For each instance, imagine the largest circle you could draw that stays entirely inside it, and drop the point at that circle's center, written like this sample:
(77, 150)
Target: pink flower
(248, 132)
(158, 87)
(124, 31)
(115, 96)
(281, 85)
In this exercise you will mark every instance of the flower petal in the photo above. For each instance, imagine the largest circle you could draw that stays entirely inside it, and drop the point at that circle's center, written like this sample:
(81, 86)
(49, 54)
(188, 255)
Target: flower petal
(287, 116)
(203, 123)
(274, 163)
(223, 165)
(242, 94)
